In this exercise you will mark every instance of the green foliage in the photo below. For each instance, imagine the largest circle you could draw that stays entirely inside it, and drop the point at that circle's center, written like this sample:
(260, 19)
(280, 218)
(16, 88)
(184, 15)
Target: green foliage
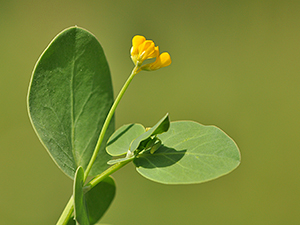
(142, 140)
(190, 153)
(70, 103)
(120, 141)
(81, 214)
(130, 137)
(69, 97)
(99, 198)
(90, 207)
(187, 153)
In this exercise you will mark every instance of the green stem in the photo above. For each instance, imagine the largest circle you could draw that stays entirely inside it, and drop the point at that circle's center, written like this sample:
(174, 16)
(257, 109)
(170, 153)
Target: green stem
(67, 213)
(96, 180)
(69, 209)
(107, 121)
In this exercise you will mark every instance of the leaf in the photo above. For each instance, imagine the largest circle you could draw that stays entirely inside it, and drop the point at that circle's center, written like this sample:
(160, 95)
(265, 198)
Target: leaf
(190, 153)
(118, 144)
(158, 128)
(130, 136)
(98, 200)
(69, 97)
(80, 211)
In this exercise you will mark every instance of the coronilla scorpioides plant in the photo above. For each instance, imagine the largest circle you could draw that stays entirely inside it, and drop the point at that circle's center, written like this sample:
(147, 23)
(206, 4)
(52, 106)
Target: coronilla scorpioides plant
(71, 107)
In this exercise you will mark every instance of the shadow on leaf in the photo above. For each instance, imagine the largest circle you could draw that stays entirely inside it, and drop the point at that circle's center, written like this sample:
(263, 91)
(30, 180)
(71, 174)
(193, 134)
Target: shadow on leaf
(163, 157)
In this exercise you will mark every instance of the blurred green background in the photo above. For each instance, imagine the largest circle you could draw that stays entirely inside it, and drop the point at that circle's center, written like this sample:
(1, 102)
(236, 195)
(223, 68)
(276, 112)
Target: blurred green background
(235, 65)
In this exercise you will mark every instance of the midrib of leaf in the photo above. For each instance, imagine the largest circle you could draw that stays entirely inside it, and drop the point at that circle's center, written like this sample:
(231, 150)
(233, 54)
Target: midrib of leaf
(72, 99)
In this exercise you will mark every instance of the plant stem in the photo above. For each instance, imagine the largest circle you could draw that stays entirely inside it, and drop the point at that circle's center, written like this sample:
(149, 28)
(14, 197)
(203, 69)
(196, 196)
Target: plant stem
(69, 209)
(107, 121)
(96, 180)
(67, 213)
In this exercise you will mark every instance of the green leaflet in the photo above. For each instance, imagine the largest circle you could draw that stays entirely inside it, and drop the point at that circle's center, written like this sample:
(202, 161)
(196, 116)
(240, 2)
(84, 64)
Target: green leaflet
(190, 153)
(69, 97)
(119, 143)
(130, 137)
(80, 211)
(160, 127)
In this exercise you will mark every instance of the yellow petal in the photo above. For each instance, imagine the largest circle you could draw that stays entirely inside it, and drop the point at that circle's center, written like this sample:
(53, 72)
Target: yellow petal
(163, 60)
(155, 53)
(137, 40)
(145, 49)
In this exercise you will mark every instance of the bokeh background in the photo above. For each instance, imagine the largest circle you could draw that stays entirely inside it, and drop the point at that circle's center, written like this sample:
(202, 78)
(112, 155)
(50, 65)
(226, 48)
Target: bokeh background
(235, 65)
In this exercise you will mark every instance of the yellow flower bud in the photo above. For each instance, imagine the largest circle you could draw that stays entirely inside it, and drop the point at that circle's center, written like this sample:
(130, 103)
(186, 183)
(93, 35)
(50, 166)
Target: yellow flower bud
(143, 49)
(146, 50)
(136, 42)
(162, 60)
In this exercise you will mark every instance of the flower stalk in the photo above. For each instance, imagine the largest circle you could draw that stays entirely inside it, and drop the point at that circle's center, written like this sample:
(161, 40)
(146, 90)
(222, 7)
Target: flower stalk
(107, 121)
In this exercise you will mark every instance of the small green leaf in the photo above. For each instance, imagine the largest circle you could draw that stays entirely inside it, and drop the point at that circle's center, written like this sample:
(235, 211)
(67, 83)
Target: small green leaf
(118, 144)
(69, 97)
(160, 127)
(190, 153)
(80, 211)
(99, 198)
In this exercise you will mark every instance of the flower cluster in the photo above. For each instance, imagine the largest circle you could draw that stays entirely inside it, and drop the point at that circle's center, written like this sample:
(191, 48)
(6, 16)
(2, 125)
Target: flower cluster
(143, 49)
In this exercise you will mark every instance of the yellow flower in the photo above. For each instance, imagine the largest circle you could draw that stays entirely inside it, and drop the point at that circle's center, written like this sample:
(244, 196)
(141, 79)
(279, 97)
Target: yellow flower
(163, 60)
(143, 49)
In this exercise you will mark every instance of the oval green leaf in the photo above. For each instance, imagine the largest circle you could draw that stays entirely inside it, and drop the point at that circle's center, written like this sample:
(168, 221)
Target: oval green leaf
(69, 97)
(190, 153)
(80, 211)
(118, 144)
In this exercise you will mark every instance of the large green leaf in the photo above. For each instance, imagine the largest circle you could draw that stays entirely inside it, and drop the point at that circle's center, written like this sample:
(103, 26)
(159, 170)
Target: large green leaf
(190, 153)
(98, 200)
(80, 210)
(69, 97)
